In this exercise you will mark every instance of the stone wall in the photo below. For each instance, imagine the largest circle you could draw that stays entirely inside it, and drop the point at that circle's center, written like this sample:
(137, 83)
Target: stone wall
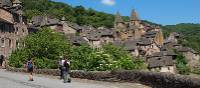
(156, 80)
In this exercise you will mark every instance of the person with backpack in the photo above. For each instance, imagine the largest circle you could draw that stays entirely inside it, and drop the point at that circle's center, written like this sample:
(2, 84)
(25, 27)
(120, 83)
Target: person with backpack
(29, 66)
(66, 71)
(61, 63)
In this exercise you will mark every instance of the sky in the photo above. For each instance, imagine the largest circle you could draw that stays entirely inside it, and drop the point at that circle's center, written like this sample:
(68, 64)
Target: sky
(166, 12)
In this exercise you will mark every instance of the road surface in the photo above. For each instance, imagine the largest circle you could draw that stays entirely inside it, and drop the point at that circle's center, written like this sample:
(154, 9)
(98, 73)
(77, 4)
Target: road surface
(20, 80)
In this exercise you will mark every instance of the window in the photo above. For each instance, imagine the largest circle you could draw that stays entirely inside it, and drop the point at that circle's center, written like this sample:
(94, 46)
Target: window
(16, 31)
(23, 30)
(17, 44)
(168, 68)
(159, 59)
(159, 68)
(10, 43)
(3, 43)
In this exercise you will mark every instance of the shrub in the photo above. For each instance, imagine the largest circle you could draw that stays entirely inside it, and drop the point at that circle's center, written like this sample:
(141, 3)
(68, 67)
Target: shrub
(44, 47)
(107, 58)
(181, 64)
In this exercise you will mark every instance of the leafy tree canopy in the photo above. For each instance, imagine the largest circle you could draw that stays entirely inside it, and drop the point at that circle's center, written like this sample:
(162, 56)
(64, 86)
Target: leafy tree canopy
(44, 47)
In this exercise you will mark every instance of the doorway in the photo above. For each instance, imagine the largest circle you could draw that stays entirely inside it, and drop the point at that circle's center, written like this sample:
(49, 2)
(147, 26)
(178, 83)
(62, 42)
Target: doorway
(1, 60)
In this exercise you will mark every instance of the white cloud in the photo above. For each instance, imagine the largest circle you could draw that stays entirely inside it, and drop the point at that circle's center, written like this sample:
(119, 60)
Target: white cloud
(109, 2)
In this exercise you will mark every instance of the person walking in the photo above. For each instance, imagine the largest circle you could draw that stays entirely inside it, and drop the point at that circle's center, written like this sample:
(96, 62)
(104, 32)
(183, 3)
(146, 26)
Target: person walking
(29, 66)
(66, 71)
(61, 64)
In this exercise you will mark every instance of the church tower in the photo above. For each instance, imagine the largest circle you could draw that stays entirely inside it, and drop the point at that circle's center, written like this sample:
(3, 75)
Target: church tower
(159, 38)
(119, 22)
(134, 20)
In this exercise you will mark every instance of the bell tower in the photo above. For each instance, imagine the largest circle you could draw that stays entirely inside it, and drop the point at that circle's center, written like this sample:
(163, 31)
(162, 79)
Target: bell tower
(119, 22)
(134, 20)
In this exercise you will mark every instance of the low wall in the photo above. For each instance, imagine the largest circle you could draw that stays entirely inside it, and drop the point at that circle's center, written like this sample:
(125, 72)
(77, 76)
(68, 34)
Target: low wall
(156, 80)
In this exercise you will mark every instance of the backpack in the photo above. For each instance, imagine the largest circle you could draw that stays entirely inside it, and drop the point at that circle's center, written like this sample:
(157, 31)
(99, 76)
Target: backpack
(30, 65)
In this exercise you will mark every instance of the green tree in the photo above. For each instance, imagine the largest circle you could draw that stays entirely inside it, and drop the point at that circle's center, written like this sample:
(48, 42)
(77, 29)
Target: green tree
(108, 57)
(44, 47)
(181, 64)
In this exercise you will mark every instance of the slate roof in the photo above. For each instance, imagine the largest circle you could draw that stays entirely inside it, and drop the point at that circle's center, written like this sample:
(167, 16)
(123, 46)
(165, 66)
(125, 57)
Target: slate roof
(163, 53)
(105, 32)
(74, 26)
(144, 41)
(186, 49)
(175, 34)
(150, 34)
(77, 40)
(160, 61)
(164, 48)
(130, 45)
(6, 3)
(44, 21)
(93, 35)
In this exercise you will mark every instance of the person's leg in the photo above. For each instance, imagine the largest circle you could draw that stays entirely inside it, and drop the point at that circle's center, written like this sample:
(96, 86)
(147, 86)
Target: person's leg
(65, 76)
(68, 78)
(31, 76)
(61, 73)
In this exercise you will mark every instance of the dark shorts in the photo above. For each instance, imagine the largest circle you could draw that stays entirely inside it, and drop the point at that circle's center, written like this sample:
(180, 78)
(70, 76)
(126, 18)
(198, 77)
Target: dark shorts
(30, 69)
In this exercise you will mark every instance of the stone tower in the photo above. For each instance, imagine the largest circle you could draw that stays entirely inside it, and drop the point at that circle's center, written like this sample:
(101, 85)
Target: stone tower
(134, 20)
(119, 22)
(159, 39)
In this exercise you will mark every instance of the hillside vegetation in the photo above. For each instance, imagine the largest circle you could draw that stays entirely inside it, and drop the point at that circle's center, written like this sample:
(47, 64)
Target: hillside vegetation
(83, 16)
(190, 32)
(76, 14)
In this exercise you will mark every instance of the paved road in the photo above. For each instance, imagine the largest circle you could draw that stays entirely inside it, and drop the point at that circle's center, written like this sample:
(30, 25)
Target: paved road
(19, 80)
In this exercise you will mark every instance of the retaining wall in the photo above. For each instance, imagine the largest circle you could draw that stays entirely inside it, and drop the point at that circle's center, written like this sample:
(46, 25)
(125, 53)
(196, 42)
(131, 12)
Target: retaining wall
(156, 80)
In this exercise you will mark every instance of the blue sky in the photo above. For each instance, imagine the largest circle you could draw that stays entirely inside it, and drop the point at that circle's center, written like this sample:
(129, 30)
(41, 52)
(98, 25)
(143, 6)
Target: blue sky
(159, 11)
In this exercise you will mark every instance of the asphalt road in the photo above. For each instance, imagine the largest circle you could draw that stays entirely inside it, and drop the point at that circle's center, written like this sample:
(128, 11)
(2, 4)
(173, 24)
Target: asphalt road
(20, 80)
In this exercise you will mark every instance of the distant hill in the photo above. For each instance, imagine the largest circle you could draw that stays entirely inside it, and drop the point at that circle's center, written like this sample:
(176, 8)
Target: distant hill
(76, 14)
(83, 16)
(190, 31)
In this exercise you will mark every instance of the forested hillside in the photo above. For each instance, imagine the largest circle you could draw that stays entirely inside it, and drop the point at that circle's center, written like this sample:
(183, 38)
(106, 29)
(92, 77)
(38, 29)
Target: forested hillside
(83, 16)
(76, 14)
(190, 32)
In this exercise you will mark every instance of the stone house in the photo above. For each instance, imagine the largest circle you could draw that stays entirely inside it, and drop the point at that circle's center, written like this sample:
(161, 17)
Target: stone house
(161, 64)
(93, 38)
(173, 37)
(163, 61)
(77, 40)
(131, 46)
(57, 25)
(147, 46)
(12, 26)
(107, 36)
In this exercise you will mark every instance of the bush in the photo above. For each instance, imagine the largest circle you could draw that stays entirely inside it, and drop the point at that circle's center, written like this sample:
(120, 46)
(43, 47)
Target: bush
(181, 64)
(107, 58)
(44, 47)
